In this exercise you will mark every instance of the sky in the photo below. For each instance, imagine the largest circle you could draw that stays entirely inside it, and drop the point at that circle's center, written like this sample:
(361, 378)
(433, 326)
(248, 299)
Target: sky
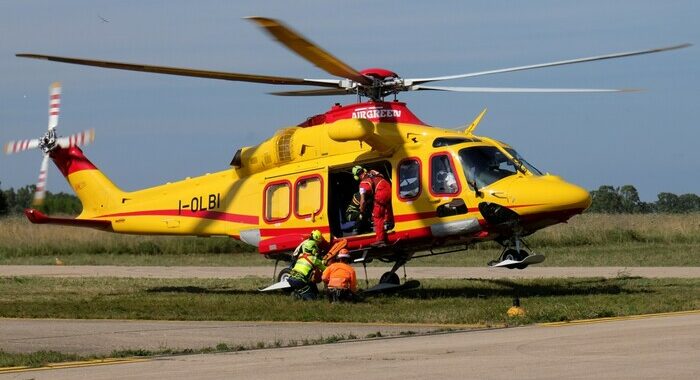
(152, 129)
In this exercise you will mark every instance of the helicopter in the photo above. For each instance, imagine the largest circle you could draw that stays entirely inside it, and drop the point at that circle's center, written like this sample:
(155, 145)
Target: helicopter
(450, 188)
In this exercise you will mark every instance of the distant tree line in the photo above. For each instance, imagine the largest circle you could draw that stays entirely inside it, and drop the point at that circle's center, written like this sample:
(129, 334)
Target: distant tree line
(625, 200)
(15, 201)
(607, 199)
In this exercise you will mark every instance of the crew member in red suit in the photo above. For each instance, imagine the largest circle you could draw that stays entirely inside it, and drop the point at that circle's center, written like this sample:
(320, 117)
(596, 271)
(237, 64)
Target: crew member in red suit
(374, 188)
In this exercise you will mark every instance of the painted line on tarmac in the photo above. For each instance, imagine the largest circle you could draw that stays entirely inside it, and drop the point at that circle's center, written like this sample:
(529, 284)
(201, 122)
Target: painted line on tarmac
(621, 318)
(78, 364)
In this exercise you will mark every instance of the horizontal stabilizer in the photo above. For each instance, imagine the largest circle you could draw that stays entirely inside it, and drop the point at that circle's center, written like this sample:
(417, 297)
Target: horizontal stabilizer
(37, 217)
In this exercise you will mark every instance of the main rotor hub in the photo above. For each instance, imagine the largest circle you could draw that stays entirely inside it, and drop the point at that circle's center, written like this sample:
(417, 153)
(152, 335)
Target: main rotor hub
(47, 143)
(379, 73)
(384, 82)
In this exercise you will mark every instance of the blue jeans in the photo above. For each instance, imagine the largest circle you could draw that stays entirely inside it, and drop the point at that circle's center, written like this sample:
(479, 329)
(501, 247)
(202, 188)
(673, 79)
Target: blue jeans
(303, 289)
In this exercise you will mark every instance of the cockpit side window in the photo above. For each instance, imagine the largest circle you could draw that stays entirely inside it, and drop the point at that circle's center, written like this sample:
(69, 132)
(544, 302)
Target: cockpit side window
(443, 179)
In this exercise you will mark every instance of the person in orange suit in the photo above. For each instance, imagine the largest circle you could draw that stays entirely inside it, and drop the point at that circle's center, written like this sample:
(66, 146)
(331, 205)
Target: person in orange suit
(340, 279)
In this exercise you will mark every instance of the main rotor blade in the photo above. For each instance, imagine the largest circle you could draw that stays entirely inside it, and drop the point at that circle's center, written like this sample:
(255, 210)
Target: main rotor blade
(21, 145)
(322, 92)
(309, 51)
(519, 89)
(185, 71)
(549, 64)
(40, 192)
(54, 104)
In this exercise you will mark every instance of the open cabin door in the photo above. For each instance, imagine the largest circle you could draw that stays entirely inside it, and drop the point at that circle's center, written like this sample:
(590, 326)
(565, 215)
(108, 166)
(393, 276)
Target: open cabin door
(341, 188)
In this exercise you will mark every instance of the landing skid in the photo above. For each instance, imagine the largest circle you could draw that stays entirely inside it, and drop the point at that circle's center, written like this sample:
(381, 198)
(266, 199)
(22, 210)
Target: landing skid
(518, 264)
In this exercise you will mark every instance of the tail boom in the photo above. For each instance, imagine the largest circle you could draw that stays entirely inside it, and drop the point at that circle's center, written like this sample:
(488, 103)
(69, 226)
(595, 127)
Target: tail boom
(95, 191)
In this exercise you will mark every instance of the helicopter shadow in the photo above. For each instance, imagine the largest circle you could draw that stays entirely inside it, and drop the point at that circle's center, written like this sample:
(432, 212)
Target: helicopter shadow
(490, 288)
(200, 290)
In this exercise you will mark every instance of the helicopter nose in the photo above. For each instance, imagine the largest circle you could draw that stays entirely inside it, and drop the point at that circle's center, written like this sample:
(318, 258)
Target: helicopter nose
(546, 194)
(574, 197)
(559, 195)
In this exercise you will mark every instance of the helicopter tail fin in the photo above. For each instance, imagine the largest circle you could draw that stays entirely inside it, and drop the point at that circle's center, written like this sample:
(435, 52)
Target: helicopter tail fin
(96, 192)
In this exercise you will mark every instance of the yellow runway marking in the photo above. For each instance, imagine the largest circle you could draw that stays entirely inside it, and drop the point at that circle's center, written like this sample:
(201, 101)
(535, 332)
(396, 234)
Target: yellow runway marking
(623, 318)
(85, 363)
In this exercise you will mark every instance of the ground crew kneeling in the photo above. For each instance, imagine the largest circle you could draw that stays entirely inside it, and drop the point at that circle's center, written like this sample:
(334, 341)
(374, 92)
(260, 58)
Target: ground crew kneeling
(340, 279)
(308, 263)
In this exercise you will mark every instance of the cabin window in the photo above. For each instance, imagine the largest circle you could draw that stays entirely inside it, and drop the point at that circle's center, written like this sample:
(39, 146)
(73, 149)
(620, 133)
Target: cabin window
(409, 178)
(277, 201)
(308, 196)
(443, 178)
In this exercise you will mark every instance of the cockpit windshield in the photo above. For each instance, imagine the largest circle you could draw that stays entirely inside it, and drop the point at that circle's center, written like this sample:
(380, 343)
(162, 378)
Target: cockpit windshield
(487, 164)
(520, 159)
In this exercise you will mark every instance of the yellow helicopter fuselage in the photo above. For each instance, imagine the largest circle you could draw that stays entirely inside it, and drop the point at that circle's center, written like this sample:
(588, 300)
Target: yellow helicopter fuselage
(299, 180)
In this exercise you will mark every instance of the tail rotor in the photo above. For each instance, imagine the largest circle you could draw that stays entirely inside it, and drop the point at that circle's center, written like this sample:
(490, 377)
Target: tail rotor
(49, 142)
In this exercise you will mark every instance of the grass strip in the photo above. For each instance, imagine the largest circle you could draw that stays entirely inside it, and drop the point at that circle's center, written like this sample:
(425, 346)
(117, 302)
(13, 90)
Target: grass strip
(467, 301)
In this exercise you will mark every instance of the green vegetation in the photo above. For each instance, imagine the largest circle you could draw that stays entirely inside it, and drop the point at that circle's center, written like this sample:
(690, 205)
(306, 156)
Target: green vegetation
(14, 202)
(473, 301)
(587, 240)
(625, 200)
(36, 359)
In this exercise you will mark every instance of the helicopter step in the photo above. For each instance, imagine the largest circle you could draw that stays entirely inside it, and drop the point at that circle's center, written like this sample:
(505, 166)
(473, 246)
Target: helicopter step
(518, 263)
(276, 286)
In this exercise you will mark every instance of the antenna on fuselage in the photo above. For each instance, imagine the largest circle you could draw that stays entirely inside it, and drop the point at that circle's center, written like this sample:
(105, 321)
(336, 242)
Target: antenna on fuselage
(476, 122)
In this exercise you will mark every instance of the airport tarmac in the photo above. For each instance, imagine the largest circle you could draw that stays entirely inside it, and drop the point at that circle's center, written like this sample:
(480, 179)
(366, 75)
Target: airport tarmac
(372, 272)
(661, 347)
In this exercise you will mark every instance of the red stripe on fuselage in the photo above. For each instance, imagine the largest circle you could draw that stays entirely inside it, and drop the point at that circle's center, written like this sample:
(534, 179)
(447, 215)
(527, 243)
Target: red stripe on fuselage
(268, 232)
(214, 215)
